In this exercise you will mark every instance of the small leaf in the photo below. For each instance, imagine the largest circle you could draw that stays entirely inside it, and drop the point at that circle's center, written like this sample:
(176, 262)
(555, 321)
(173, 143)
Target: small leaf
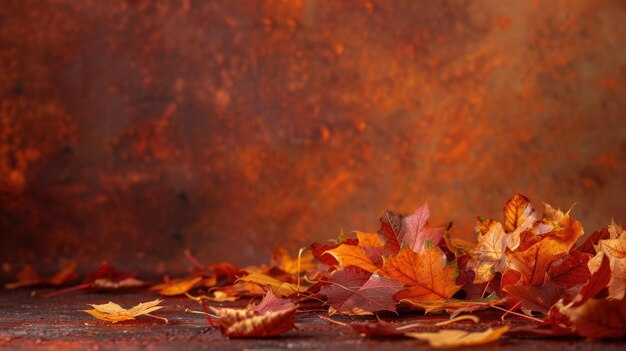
(176, 286)
(245, 323)
(457, 338)
(516, 212)
(112, 312)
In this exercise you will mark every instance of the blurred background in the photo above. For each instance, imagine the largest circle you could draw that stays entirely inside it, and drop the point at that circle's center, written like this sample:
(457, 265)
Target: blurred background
(131, 130)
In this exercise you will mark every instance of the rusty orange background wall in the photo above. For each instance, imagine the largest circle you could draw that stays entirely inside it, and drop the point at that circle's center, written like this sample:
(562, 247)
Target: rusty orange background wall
(131, 130)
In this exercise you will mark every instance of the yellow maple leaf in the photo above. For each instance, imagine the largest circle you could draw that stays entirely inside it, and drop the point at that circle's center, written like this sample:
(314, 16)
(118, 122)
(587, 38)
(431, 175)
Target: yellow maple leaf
(456, 338)
(112, 312)
(428, 276)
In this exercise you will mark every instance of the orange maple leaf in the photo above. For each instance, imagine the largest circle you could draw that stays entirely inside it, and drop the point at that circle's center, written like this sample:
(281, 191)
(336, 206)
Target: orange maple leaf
(428, 275)
(356, 255)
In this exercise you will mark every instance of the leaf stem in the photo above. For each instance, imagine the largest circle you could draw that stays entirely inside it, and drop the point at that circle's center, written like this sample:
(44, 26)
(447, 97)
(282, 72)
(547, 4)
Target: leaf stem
(518, 314)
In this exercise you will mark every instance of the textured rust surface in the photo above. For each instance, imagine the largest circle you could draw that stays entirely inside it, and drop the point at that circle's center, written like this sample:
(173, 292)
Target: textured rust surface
(28, 322)
(130, 130)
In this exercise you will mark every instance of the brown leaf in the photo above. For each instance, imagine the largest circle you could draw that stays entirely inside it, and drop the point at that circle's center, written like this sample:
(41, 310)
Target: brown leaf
(112, 312)
(246, 323)
(456, 338)
(28, 277)
(271, 303)
(598, 318)
(428, 276)
(354, 287)
(539, 299)
(571, 269)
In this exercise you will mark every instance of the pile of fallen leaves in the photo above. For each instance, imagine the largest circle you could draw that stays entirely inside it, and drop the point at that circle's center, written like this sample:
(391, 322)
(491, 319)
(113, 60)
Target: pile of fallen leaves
(539, 267)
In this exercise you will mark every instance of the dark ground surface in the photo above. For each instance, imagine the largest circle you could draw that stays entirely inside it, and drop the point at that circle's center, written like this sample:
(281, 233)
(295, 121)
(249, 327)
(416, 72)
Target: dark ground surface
(28, 322)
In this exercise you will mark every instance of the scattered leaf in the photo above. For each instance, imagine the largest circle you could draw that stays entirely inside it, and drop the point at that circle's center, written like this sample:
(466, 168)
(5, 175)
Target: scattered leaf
(176, 286)
(456, 338)
(28, 277)
(246, 323)
(112, 312)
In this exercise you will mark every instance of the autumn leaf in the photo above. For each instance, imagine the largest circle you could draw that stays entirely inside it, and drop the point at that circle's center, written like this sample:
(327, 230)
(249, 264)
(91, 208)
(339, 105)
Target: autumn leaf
(354, 287)
(112, 312)
(320, 251)
(416, 231)
(454, 306)
(413, 231)
(571, 269)
(391, 227)
(292, 265)
(271, 303)
(351, 255)
(517, 212)
(279, 287)
(247, 323)
(615, 250)
(598, 318)
(600, 270)
(105, 277)
(535, 254)
(28, 277)
(588, 246)
(489, 255)
(176, 286)
(428, 276)
(539, 299)
(456, 338)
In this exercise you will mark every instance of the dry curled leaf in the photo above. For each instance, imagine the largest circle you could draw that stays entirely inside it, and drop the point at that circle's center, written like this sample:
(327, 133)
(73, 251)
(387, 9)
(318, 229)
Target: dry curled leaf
(112, 312)
(456, 338)
(247, 323)
(598, 318)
